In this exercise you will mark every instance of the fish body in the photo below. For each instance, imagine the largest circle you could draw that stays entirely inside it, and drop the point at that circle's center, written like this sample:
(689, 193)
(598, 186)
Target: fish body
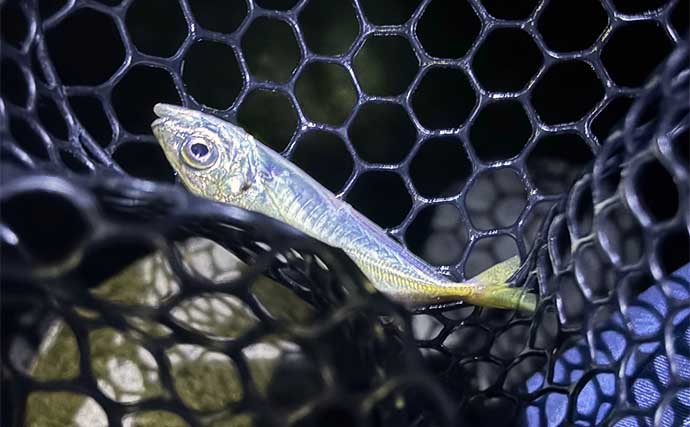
(220, 161)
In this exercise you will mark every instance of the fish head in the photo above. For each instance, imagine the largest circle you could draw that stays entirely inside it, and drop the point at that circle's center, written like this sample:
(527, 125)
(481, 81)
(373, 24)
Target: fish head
(214, 158)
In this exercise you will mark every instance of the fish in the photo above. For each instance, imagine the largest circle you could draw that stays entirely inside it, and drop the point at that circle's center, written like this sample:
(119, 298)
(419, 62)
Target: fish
(220, 161)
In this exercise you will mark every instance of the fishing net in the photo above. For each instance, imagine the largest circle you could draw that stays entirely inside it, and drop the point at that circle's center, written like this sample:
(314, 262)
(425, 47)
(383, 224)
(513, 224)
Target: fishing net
(472, 131)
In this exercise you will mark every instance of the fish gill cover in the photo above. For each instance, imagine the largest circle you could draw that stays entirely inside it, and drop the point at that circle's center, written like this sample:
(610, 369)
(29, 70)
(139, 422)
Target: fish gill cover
(472, 131)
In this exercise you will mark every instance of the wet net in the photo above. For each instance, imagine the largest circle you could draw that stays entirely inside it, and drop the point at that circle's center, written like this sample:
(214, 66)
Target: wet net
(472, 131)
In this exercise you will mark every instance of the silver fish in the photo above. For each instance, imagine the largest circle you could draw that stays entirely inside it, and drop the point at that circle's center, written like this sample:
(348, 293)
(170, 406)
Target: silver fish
(220, 161)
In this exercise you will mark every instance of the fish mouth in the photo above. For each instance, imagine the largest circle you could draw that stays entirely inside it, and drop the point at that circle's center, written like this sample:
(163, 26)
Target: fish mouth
(163, 131)
(171, 121)
(166, 130)
(174, 121)
(166, 113)
(157, 126)
(169, 111)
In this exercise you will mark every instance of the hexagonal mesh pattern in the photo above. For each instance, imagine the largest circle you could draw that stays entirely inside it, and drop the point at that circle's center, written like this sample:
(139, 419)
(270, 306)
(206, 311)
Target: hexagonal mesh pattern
(192, 333)
(473, 118)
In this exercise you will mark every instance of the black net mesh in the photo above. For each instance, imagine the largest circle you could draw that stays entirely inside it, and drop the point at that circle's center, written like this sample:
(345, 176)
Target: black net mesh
(192, 334)
(458, 126)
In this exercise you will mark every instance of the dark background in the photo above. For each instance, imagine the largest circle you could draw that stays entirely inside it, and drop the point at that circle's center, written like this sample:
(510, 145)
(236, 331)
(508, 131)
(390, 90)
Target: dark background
(454, 124)
(529, 86)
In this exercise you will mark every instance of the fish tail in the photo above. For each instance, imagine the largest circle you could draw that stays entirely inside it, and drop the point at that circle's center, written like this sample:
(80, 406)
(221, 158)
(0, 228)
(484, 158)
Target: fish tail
(499, 295)
(490, 288)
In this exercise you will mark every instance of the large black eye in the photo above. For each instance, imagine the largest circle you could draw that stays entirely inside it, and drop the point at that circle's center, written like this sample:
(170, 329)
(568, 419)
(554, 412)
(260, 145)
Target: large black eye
(199, 153)
(199, 150)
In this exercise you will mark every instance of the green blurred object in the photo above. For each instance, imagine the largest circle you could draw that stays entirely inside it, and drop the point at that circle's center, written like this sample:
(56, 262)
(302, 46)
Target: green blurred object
(128, 373)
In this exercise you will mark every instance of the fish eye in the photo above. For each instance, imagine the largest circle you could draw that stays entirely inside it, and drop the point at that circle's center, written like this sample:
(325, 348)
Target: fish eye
(198, 153)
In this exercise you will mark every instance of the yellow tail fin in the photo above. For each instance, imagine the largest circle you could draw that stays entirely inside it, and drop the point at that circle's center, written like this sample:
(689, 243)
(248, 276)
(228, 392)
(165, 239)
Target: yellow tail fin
(491, 288)
(499, 273)
(500, 295)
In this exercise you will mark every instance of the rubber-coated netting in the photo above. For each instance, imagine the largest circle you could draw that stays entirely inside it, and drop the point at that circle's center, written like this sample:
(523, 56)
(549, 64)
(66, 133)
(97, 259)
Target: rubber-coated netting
(471, 130)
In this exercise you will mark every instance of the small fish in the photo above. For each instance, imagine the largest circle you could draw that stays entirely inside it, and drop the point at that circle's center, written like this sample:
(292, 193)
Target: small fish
(220, 161)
